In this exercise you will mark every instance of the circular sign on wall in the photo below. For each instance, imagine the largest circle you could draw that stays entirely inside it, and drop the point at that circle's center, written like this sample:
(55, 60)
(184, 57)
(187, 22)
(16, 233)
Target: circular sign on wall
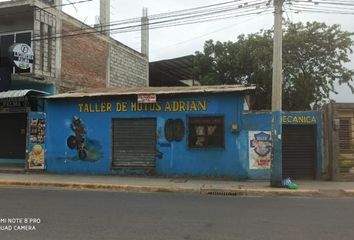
(21, 55)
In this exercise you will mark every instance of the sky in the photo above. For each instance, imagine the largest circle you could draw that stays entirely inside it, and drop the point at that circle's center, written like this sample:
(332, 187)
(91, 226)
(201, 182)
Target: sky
(179, 41)
(172, 42)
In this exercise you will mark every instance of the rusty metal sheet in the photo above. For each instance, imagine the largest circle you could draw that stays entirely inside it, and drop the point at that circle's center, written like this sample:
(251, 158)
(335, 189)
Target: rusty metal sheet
(95, 92)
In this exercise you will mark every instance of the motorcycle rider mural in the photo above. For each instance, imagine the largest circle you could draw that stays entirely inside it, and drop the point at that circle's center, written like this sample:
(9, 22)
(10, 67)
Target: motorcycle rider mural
(77, 141)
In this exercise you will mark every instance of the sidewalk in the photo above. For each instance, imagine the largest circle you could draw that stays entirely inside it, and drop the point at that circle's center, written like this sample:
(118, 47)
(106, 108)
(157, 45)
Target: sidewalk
(155, 184)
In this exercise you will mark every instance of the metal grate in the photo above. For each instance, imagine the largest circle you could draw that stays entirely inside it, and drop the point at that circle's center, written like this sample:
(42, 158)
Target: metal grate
(345, 135)
(346, 145)
(224, 193)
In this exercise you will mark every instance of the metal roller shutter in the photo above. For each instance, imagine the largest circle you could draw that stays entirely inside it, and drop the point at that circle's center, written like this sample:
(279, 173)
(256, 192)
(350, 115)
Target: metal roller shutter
(299, 151)
(134, 143)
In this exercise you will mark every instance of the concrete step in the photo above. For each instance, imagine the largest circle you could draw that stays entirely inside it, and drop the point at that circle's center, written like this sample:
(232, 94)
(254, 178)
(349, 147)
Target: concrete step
(12, 168)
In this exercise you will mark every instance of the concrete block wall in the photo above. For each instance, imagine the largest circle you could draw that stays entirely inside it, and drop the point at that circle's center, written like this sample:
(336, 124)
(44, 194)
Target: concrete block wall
(128, 68)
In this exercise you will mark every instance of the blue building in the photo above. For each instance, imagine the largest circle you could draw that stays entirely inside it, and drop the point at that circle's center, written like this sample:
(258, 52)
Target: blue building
(179, 131)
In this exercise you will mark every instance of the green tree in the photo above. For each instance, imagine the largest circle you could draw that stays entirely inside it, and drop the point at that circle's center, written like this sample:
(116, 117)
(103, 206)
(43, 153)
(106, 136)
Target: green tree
(314, 55)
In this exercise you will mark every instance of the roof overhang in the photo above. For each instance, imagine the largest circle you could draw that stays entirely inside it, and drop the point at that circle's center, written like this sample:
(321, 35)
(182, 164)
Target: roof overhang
(21, 93)
(94, 92)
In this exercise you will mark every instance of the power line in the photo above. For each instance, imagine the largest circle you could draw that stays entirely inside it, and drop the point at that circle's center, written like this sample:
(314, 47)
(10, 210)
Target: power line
(194, 22)
(133, 27)
(218, 30)
(186, 14)
(315, 9)
(20, 13)
(188, 11)
(326, 2)
(243, 4)
(298, 10)
(66, 4)
(137, 27)
(330, 8)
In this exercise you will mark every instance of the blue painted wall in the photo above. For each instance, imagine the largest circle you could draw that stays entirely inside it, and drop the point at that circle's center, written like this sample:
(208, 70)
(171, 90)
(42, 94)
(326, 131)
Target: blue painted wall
(254, 121)
(262, 121)
(178, 158)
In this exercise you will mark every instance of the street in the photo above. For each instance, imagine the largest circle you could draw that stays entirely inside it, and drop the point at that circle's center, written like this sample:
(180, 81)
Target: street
(75, 214)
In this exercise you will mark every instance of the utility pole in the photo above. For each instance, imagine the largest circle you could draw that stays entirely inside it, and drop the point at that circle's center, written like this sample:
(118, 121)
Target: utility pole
(276, 169)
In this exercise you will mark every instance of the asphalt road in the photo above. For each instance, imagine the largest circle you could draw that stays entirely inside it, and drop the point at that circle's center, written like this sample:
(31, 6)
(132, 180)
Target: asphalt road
(63, 214)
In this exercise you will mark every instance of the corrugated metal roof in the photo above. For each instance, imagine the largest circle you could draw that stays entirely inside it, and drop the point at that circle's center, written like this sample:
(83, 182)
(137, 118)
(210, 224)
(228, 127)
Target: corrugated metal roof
(20, 93)
(95, 92)
(170, 72)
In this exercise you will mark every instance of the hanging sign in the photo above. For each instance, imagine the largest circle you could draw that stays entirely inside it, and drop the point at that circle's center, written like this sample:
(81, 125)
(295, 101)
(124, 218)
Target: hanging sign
(21, 55)
(14, 105)
(147, 98)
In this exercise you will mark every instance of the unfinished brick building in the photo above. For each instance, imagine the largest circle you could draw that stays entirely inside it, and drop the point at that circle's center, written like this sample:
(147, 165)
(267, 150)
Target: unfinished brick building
(67, 54)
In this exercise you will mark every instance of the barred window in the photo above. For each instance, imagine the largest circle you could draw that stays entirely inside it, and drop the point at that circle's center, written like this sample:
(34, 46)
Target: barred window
(345, 135)
(206, 132)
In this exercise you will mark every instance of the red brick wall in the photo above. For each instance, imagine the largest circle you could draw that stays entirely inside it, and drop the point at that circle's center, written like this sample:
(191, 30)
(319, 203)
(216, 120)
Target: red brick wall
(83, 59)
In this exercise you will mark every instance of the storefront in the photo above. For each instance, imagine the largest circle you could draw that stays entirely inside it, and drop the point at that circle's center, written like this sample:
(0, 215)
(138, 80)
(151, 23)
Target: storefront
(302, 144)
(178, 131)
(22, 128)
(165, 131)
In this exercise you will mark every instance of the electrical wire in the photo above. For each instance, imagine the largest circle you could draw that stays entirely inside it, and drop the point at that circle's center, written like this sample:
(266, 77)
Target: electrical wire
(137, 28)
(66, 4)
(299, 10)
(193, 13)
(215, 31)
(329, 8)
(325, 3)
(20, 13)
(193, 22)
(196, 18)
(189, 11)
(317, 7)
(314, 9)
(166, 16)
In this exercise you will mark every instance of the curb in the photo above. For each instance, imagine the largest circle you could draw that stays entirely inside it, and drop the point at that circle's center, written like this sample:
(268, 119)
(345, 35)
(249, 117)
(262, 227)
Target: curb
(92, 186)
(349, 193)
(329, 193)
(263, 192)
(204, 191)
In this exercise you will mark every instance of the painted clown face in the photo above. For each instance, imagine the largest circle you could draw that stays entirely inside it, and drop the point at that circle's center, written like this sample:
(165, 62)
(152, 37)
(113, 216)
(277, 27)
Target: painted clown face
(37, 149)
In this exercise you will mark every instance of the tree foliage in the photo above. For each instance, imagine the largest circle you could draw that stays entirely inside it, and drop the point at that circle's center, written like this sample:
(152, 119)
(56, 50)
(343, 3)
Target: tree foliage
(314, 56)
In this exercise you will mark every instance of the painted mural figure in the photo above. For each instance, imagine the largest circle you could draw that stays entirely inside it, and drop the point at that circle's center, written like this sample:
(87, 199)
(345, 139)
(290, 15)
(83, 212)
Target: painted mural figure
(78, 141)
(36, 156)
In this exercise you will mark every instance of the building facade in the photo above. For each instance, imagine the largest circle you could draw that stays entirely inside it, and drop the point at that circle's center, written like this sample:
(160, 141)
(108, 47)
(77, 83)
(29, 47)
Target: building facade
(45, 51)
(66, 53)
(194, 131)
(19, 108)
(338, 124)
